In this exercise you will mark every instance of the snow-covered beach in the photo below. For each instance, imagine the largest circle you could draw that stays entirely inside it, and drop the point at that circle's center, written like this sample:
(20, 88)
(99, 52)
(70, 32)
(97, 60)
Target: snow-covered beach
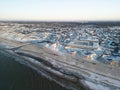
(85, 54)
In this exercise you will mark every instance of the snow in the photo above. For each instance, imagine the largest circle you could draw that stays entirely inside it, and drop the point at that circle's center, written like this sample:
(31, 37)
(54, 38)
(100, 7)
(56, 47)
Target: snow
(96, 43)
(94, 86)
(58, 38)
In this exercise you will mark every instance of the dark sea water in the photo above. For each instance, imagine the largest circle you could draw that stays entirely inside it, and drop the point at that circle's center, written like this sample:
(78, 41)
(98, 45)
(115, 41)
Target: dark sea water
(15, 76)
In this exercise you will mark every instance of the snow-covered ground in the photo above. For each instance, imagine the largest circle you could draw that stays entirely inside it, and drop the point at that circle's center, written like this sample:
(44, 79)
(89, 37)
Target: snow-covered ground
(79, 40)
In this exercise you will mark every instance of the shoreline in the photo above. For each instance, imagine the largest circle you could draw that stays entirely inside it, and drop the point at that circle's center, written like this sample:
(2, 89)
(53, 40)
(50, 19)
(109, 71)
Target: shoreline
(75, 72)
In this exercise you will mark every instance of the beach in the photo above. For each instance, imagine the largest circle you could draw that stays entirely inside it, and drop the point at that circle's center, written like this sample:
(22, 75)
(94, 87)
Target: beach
(63, 67)
(16, 76)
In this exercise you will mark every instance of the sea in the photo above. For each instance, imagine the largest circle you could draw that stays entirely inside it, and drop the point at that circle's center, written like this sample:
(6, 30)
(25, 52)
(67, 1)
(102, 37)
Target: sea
(15, 76)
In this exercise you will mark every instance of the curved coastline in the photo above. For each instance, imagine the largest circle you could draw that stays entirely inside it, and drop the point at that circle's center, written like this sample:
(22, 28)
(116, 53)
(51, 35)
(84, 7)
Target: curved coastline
(16, 76)
(38, 64)
(70, 72)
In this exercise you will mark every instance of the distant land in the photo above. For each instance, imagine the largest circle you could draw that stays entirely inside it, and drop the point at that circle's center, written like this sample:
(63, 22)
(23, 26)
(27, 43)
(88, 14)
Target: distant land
(109, 23)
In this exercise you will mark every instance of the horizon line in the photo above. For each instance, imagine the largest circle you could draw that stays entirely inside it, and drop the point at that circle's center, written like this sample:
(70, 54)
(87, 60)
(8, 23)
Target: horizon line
(82, 21)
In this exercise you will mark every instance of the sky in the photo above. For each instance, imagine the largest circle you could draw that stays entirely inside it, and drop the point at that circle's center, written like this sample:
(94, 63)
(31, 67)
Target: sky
(60, 10)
